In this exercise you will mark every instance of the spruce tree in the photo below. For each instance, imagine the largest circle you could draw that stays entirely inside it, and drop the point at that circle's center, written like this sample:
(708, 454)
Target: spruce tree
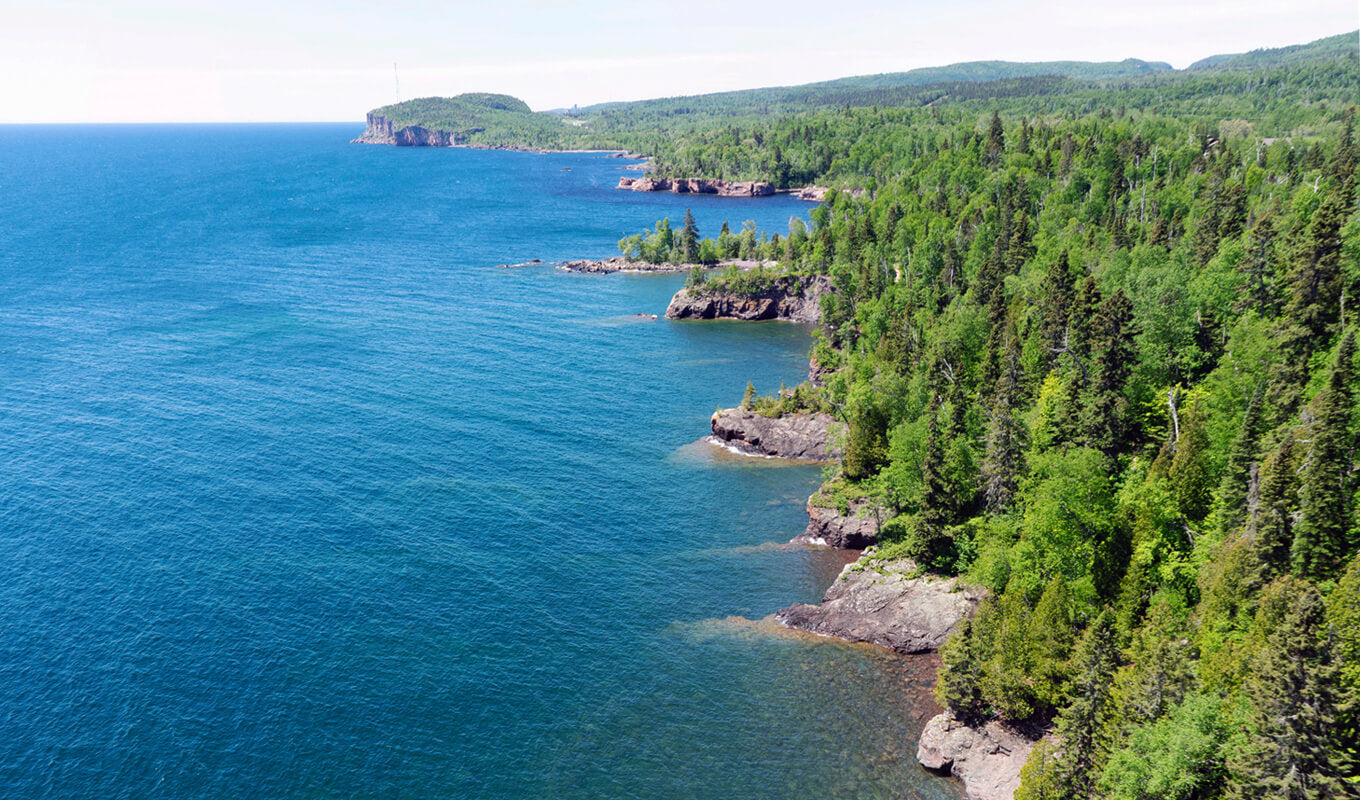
(1292, 693)
(1005, 440)
(1324, 517)
(1232, 490)
(689, 239)
(1315, 280)
(1056, 310)
(1102, 420)
(1273, 524)
(1083, 726)
(957, 687)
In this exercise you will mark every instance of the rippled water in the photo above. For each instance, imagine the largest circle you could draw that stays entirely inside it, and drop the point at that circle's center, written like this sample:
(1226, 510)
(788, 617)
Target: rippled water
(303, 497)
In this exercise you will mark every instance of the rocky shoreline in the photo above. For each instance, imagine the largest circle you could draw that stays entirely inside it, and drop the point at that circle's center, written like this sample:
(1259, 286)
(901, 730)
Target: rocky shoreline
(797, 436)
(887, 603)
(623, 264)
(792, 298)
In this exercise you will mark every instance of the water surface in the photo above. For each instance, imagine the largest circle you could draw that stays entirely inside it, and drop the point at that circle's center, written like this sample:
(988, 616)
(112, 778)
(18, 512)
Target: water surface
(302, 496)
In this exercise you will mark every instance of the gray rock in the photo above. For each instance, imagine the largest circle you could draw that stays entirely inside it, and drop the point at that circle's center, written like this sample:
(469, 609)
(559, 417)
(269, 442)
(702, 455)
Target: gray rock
(854, 530)
(987, 758)
(790, 436)
(793, 298)
(889, 608)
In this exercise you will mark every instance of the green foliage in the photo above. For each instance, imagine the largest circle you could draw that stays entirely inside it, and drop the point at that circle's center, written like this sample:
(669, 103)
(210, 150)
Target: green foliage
(1177, 757)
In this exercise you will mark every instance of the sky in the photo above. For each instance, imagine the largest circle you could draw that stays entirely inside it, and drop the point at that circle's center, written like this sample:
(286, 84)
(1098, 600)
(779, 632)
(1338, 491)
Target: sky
(308, 60)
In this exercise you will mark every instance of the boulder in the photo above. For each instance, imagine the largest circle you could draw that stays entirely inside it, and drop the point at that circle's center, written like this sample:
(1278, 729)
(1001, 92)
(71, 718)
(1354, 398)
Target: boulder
(987, 758)
(802, 436)
(885, 604)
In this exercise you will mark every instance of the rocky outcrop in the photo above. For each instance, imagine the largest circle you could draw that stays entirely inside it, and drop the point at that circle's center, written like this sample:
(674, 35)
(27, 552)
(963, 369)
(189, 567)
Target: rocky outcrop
(698, 186)
(856, 529)
(986, 758)
(621, 264)
(883, 604)
(812, 194)
(802, 436)
(380, 130)
(793, 298)
(818, 373)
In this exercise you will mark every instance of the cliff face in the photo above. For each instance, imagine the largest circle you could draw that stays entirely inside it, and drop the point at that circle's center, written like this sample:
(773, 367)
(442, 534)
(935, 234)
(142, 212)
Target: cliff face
(793, 298)
(854, 530)
(801, 436)
(698, 186)
(380, 130)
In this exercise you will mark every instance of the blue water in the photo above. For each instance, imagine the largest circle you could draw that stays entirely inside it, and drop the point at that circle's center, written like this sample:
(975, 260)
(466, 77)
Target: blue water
(301, 496)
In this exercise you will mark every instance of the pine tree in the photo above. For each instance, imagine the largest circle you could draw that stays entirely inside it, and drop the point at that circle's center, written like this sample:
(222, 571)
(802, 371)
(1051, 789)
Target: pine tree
(1257, 292)
(1315, 280)
(996, 139)
(1005, 441)
(1189, 473)
(1292, 692)
(1274, 521)
(1083, 726)
(1232, 490)
(1102, 420)
(1324, 518)
(1056, 310)
(929, 543)
(957, 687)
(689, 239)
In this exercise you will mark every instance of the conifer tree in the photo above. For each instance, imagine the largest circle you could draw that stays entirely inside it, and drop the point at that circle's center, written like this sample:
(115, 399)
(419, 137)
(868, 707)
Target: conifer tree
(957, 686)
(1315, 280)
(1005, 442)
(1292, 692)
(1189, 475)
(1324, 518)
(1113, 353)
(1257, 292)
(1083, 726)
(689, 239)
(996, 139)
(1274, 522)
(1057, 308)
(1232, 490)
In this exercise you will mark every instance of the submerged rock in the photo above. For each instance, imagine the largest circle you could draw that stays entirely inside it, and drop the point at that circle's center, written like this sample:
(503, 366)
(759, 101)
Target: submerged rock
(986, 758)
(884, 604)
(854, 530)
(792, 298)
(790, 436)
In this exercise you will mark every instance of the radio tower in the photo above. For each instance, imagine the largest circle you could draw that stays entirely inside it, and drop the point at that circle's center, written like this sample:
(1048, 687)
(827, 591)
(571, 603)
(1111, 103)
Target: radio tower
(397, 80)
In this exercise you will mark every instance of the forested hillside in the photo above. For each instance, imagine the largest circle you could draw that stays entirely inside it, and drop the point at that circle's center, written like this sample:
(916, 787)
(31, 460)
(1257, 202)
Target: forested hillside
(1104, 366)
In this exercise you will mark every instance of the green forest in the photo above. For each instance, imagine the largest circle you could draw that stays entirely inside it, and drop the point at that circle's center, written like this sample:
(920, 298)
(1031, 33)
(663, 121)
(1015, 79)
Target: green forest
(1094, 343)
(1103, 365)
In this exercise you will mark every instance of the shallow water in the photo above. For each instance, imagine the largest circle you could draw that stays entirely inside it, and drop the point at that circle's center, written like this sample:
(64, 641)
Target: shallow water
(303, 497)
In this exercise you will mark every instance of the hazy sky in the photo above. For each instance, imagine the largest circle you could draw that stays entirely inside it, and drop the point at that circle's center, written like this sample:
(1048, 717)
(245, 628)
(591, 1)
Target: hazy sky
(259, 60)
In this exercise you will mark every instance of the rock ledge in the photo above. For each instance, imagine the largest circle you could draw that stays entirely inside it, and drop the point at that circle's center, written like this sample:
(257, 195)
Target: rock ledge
(888, 608)
(792, 298)
(802, 436)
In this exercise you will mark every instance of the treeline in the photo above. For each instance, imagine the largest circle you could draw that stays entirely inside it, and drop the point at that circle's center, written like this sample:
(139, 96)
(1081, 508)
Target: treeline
(1104, 366)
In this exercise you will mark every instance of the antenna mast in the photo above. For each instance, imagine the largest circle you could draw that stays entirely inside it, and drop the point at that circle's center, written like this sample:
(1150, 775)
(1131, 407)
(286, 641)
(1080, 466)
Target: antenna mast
(397, 80)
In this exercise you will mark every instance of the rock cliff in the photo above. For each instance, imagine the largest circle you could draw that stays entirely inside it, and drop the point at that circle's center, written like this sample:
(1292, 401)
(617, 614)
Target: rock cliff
(883, 604)
(801, 436)
(854, 530)
(698, 186)
(793, 298)
(380, 130)
(986, 758)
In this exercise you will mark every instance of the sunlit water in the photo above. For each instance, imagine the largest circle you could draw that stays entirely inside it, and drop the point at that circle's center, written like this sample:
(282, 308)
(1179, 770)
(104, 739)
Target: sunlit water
(304, 497)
